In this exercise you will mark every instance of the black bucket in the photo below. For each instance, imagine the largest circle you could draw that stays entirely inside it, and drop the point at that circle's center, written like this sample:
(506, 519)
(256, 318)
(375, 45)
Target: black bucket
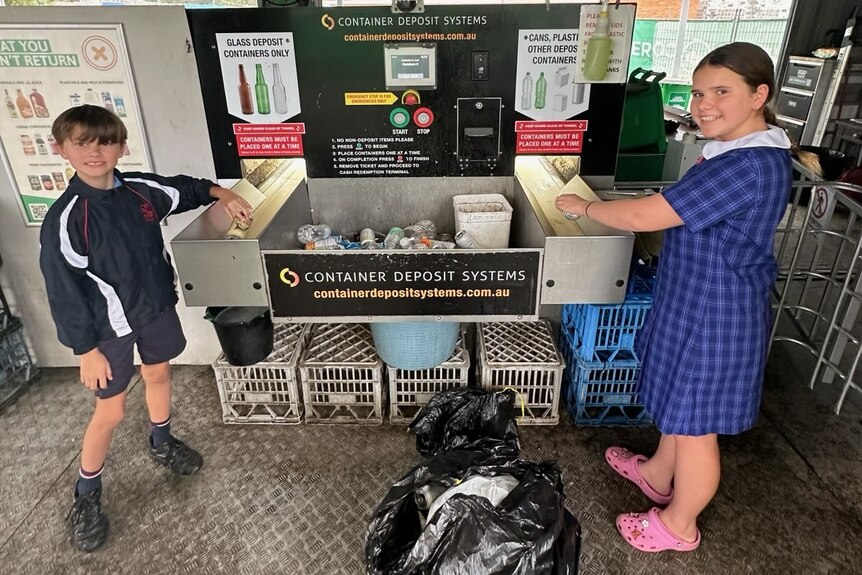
(245, 333)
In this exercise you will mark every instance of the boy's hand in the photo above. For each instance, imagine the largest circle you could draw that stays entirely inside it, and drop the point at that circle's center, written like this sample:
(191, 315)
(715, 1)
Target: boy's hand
(95, 370)
(235, 206)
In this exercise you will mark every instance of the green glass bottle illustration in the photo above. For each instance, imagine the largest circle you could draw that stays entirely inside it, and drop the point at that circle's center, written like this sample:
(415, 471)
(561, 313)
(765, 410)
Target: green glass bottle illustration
(541, 91)
(598, 52)
(261, 91)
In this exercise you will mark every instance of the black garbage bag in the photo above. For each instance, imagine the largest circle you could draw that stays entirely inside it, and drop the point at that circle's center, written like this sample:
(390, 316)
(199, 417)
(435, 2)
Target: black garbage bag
(468, 418)
(529, 532)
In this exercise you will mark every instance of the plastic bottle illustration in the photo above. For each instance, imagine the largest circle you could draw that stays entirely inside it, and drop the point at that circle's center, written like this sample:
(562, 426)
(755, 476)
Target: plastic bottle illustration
(24, 107)
(313, 233)
(261, 90)
(527, 92)
(279, 93)
(74, 99)
(598, 52)
(10, 105)
(541, 91)
(38, 102)
(244, 93)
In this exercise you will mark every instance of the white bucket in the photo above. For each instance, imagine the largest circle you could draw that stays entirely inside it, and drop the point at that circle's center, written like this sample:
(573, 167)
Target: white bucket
(487, 217)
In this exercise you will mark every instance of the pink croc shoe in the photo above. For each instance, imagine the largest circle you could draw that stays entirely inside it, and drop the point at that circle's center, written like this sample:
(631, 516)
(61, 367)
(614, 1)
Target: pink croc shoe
(646, 532)
(625, 463)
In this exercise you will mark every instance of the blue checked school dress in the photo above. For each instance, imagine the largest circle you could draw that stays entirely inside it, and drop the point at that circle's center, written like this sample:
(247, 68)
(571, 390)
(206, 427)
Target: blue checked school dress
(704, 342)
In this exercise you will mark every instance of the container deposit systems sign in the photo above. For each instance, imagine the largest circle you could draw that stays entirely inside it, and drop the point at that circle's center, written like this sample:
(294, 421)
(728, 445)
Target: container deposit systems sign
(353, 286)
(43, 71)
(453, 91)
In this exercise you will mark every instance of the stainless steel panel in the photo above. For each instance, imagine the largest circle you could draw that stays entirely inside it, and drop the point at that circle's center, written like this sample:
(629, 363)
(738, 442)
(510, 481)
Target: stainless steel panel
(220, 272)
(380, 203)
(586, 269)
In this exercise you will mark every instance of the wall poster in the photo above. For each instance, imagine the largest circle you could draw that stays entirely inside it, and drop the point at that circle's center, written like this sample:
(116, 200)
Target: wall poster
(44, 70)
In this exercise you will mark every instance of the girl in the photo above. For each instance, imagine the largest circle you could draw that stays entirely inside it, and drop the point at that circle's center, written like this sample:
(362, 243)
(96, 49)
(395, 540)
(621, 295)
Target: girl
(704, 343)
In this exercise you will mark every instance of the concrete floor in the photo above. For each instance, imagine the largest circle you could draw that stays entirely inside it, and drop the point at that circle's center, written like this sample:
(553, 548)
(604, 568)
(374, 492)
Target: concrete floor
(296, 499)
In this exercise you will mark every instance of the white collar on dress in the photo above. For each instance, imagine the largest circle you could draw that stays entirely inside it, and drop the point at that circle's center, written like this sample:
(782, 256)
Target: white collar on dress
(774, 137)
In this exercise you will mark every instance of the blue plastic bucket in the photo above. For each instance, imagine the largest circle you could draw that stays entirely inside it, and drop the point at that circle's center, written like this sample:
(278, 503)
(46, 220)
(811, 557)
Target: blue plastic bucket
(415, 345)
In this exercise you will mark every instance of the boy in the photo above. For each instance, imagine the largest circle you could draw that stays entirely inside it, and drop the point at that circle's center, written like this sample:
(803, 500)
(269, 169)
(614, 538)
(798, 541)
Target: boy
(110, 285)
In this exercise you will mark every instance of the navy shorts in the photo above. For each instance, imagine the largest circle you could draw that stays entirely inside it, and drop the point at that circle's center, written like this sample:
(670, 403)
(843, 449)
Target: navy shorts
(160, 340)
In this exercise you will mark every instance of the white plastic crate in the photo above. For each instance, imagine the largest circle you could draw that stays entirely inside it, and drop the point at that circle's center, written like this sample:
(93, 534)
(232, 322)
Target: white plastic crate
(523, 356)
(410, 389)
(342, 375)
(267, 391)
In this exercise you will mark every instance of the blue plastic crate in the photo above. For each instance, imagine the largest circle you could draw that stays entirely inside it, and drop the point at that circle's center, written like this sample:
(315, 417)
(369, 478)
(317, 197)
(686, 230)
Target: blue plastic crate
(606, 328)
(642, 280)
(602, 392)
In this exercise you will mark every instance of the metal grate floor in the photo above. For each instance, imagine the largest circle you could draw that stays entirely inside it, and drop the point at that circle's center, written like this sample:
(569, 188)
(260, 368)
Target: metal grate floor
(295, 499)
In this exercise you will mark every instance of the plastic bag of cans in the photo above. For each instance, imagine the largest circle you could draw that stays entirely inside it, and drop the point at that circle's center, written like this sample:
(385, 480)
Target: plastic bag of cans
(419, 235)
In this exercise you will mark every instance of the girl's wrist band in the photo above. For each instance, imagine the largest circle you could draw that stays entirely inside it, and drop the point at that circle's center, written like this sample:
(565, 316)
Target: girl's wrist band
(587, 207)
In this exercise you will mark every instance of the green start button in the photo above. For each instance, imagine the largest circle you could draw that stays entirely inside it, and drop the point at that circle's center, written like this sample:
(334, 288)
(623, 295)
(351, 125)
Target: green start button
(399, 117)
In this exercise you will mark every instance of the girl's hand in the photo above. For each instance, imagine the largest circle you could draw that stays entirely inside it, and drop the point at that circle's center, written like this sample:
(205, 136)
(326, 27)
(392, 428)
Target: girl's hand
(95, 370)
(571, 204)
(235, 206)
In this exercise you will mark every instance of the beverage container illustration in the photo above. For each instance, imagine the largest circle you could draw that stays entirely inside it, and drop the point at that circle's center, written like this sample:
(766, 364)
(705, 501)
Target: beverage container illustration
(24, 107)
(598, 51)
(90, 97)
(578, 94)
(244, 93)
(261, 90)
(35, 184)
(107, 101)
(541, 91)
(40, 145)
(38, 102)
(47, 182)
(69, 173)
(10, 105)
(279, 93)
(119, 106)
(27, 144)
(53, 145)
(527, 92)
(75, 99)
(59, 182)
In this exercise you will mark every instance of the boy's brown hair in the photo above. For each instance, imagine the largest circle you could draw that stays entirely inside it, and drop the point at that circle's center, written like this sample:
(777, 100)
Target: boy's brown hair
(96, 123)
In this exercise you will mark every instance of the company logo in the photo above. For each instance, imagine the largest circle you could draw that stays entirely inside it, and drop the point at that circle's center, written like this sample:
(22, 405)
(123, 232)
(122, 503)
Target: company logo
(289, 277)
(327, 21)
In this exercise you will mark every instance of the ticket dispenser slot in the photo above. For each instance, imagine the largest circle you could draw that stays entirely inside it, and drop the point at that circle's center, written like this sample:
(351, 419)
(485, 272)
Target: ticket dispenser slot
(479, 131)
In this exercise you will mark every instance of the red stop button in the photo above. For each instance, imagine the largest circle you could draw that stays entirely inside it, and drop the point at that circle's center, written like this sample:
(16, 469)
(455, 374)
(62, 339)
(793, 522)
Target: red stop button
(423, 117)
(410, 99)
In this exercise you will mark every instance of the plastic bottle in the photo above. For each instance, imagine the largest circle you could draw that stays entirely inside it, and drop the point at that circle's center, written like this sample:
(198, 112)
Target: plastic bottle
(541, 91)
(10, 105)
(332, 243)
(279, 93)
(421, 229)
(24, 107)
(244, 93)
(527, 92)
(392, 238)
(261, 90)
(463, 239)
(598, 52)
(313, 233)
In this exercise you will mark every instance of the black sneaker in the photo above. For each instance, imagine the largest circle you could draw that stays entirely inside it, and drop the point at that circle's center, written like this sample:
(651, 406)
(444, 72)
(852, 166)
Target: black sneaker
(88, 526)
(176, 455)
